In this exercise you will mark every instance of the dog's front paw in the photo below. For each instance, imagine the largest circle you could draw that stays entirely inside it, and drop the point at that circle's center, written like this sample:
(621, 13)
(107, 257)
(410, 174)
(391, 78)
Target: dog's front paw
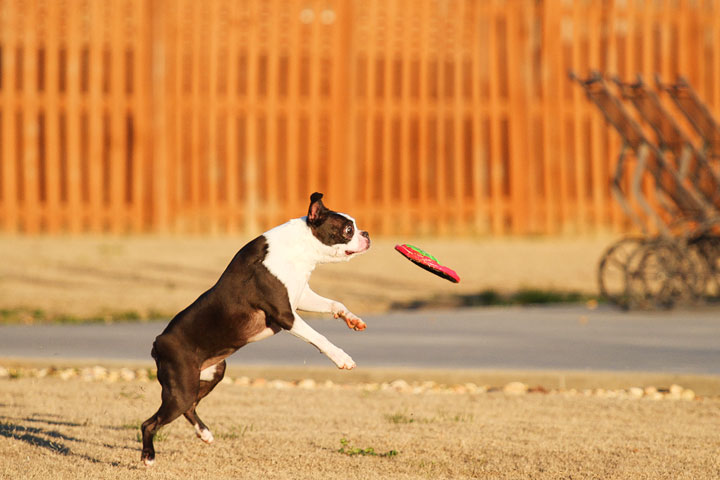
(148, 458)
(351, 320)
(342, 360)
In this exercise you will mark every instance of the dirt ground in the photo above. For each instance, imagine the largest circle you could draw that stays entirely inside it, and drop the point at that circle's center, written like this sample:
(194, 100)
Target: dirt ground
(159, 275)
(75, 429)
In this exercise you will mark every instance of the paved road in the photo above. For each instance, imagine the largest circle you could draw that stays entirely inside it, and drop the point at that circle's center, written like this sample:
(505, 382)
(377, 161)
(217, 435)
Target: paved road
(557, 337)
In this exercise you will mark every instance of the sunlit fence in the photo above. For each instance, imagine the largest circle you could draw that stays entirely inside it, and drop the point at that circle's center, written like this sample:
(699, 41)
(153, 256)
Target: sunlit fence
(416, 116)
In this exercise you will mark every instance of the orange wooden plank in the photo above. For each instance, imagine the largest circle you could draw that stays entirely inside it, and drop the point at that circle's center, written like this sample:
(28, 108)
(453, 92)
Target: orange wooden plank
(342, 161)
(31, 123)
(213, 108)
(140, 46)
(233, 155)
(179, 113)
(442, 113)
(292, 106)
(73, 113)
(715, 26)
(426, 49)
(683, 16)
(370, 99)
(96, 113)
(518, 91)
(479, 159)
(496, 168)
(51, 112)
(597, 155)
(9, 110)
(552, 18)
(272, 114)
(252, 205)
(117, 219)
(459, 153)
(194, 12)
(313, 100)
(383, 176)
(407, 54)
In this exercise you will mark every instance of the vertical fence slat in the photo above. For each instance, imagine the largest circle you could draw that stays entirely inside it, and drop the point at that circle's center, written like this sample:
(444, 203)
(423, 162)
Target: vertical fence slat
(342, 157)
(30, 122)
(117, 218)
(95, 116)
(457, 121)
(382, 176)
(232, 155)
(50, 112)
(272, 54)
(293, 108)
(496, 173)
(138, 112)
(479, 158)
(518, 100)
(369, 114)
(73, 112)
(8, 110)
(213, 118)
(714, 7)
(251, 160)
(423, 92)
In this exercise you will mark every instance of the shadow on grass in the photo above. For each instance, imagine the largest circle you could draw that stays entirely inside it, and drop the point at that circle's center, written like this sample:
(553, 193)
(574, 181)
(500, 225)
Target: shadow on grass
(487, 298)
(48, 439)
(32, 436)
(51, 422)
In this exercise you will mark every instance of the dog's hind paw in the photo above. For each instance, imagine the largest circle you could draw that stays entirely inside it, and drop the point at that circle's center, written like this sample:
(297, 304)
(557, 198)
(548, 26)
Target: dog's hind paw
(206, 436)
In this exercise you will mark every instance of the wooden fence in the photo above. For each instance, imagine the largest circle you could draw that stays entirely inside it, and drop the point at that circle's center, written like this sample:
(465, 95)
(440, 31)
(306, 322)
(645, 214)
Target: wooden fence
(417, 116)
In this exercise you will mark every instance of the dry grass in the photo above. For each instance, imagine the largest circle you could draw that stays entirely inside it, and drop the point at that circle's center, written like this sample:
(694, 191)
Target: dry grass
(155, 275)
(76, 430)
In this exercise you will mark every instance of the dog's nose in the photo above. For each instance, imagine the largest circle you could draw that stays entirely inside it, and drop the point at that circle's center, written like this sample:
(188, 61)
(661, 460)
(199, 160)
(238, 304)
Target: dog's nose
(365, 234)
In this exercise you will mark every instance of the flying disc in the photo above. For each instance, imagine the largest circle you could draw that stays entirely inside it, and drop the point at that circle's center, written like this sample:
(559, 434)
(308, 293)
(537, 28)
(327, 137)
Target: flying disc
(424, 260)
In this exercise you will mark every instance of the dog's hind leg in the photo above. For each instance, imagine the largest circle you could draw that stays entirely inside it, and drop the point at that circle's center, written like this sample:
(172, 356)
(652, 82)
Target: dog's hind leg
(179, 391)
(209, 378)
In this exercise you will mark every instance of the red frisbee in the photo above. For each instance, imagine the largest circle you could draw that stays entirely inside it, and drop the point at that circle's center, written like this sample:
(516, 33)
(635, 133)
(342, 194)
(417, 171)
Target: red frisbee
(423, 259)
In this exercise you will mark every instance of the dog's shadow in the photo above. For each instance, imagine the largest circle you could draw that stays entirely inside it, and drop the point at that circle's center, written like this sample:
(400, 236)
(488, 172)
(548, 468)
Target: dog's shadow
(47, 438)
(38, 437)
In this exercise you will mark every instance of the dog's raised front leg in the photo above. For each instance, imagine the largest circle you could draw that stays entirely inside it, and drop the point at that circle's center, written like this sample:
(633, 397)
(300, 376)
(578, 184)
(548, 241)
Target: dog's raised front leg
(304, 331)
(312, 302)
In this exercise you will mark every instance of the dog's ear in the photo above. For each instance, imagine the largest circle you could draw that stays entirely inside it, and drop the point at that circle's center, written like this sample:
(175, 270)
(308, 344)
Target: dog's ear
(317, 211)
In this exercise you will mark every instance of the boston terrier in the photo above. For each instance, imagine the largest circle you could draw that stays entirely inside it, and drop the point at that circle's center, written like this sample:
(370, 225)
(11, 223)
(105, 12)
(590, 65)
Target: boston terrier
(256, 297)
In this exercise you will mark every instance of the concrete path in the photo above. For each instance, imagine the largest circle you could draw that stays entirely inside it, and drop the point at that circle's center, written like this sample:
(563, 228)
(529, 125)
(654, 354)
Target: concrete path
(532, 338)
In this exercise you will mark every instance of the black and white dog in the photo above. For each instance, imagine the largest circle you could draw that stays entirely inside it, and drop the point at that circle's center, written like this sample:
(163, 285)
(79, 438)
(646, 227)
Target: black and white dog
(255, 297)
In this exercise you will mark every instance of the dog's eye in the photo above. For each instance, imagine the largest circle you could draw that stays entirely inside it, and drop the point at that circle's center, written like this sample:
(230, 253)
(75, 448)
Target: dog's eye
(349, 230)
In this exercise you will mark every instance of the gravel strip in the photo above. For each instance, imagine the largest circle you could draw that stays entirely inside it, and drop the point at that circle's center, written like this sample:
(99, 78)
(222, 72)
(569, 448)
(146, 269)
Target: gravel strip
(124, 374)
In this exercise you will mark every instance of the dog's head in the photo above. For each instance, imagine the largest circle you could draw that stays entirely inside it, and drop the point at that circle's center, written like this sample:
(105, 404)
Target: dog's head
(339, 237)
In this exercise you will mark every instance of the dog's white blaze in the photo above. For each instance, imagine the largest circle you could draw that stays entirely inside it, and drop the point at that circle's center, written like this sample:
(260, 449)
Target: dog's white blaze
(208, 374)
(267, 332)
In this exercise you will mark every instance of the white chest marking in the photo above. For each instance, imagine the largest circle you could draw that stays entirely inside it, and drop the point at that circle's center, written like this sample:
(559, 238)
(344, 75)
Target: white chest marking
(208, 374)
(291, 257)
(267, 332)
